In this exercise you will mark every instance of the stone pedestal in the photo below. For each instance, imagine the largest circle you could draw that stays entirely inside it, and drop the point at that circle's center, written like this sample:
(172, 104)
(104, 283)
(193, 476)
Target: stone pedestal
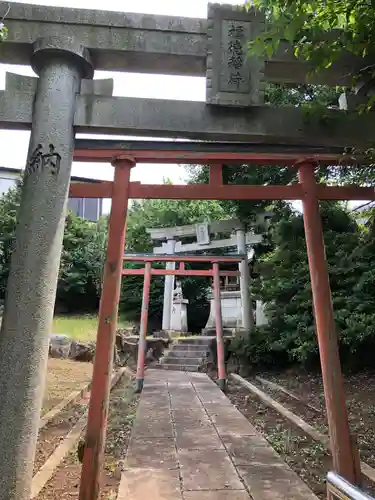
(247, 315)
(179, 316)
(231, 313)
(260, 315)
(168, 288)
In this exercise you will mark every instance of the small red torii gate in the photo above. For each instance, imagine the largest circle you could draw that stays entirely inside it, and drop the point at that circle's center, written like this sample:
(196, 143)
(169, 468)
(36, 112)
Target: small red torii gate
(148, 272)
(344, 453)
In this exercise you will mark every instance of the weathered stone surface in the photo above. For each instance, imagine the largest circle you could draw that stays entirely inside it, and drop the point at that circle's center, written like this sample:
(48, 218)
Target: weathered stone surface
(228, 420)
(152, 429)
(127, 347)
(190, 416)
(207, 473)
(20, 83)
(234, 78)
(249, 450)
(82, 352)
(72, 46)
(208, 470)
(197, 120)
(277, 482)
(213, 397)
(197, 436)
(142, 42)
(59, 346)
(97, 87)
(216, 495)
(140, 484)
(16, 108)
(181, 42)
(187, 399)
(31, 290)
(162, 334)
(163, 454)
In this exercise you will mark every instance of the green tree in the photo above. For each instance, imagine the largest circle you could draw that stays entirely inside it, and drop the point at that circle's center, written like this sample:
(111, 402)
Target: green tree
(82, 258)
(3, 31)
(318, 30)
(81, 267)
(9, 203)
(283, 283)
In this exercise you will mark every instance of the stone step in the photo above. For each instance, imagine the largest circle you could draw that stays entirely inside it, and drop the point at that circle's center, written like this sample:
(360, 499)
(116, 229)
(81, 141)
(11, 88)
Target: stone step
(181, 353)
(184, 368)
(189, 347)
(199, 341)
(181, 361)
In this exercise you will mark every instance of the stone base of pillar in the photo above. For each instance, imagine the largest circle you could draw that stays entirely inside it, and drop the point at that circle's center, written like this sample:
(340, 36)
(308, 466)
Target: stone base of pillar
(227, 332)
(230, 309)
(260, 315)
(179, 316)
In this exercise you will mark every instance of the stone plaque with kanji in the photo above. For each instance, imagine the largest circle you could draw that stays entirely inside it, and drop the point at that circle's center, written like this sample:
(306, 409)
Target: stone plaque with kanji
(234, 78)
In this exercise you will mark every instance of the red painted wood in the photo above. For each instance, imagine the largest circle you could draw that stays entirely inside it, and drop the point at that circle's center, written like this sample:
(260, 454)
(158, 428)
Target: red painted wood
(101, 380)
(216, 192)
(181, 258)
(337, 415)
(177, 272)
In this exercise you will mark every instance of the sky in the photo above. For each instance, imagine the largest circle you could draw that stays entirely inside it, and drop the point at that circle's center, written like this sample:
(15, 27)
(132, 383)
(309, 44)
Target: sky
(13, 144)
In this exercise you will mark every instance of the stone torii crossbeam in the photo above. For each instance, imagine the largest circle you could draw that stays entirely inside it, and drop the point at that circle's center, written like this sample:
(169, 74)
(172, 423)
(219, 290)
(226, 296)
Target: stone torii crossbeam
(240, 240)
(177, 46)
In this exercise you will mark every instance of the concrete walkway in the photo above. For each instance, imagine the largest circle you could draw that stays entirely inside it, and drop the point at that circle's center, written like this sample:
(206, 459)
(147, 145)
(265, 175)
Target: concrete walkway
(190, 443)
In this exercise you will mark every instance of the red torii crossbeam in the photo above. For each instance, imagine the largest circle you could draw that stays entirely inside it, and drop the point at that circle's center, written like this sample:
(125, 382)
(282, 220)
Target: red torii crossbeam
(121, 190)
(216, 189)
(214, 272)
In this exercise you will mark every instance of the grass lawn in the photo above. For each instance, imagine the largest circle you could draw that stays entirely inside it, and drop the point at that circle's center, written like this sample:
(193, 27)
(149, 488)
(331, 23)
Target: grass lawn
(81, 328)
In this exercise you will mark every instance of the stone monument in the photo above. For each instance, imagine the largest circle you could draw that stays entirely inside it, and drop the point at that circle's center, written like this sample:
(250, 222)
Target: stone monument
(179, 310)
(260, 314)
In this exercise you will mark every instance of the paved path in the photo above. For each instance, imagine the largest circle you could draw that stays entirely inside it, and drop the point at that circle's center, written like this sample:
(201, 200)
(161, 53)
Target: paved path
(190, 443)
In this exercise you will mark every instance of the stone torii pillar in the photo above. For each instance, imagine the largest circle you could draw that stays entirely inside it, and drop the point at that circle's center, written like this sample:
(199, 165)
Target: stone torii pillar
(168, 287)
(61, 63)
(243, 266)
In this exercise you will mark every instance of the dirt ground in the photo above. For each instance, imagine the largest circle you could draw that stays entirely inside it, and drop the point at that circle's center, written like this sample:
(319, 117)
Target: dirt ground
(65, 482)
(360, 394)
(307, 457)
(63, 377)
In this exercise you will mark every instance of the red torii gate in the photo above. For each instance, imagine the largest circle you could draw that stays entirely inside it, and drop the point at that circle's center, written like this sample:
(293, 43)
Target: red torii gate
(214, 273)
(345, 455)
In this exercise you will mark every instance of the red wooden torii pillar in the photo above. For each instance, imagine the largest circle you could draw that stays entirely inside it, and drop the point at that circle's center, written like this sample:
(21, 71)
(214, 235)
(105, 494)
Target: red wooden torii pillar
(105, 341)
(345, 458)
(345, 462)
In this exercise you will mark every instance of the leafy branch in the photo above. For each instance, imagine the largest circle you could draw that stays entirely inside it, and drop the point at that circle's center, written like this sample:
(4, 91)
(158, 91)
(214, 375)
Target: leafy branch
(319, 31)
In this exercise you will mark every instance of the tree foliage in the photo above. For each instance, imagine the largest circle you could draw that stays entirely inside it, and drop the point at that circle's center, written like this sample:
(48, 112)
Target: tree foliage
(80, 278)
(318, 30)
(82, 259)
(3, 32)
(283, 283)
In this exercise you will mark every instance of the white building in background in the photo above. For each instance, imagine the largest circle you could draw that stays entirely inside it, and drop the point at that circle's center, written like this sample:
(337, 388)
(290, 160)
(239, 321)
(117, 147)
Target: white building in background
(88, 208)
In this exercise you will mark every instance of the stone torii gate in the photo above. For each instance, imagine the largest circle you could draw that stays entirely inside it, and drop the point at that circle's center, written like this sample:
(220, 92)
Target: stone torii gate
(202, 231)
(65, 47)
